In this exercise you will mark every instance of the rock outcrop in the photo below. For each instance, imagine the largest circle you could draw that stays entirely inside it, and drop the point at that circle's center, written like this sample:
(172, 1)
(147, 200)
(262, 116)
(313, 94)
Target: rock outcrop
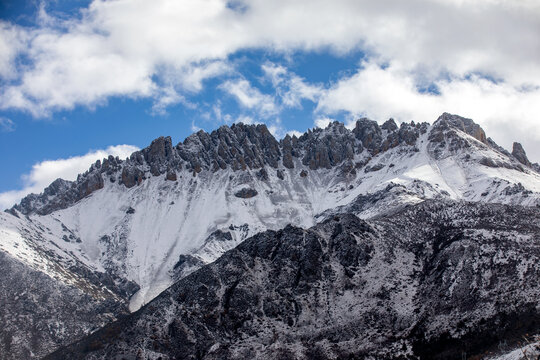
(329, 147)
(239, 146)
(468, 126)
(519, 153)
(246, 193)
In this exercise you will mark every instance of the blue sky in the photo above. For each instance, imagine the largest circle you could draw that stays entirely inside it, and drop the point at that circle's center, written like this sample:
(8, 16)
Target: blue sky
(81, 77)
(128, 121)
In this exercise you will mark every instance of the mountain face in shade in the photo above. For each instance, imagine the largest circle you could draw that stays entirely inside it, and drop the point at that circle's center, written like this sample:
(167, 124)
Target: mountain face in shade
(40, 313)
(436, 280)
(127, 229)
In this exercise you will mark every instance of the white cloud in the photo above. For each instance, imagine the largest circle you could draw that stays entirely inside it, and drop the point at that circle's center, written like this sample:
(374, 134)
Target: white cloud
(12, 42)
(506, 112)
(291, 88)
(6, 125)
(45, 172)
(168, 97)
(194, 128)
(188, 79)
(165, 48)
(323, 122)
(192, 77)
(275, 73)
(126, 48)
(250, 97)
(245, 119)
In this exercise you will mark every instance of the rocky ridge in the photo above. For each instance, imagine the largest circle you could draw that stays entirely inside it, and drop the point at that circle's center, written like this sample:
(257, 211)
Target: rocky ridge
(242, 147)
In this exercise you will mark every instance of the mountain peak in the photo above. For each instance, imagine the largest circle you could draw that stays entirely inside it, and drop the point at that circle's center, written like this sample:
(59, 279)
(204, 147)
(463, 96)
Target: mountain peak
(389, 125)
(142, 223)
(466, 125)
(519, 154)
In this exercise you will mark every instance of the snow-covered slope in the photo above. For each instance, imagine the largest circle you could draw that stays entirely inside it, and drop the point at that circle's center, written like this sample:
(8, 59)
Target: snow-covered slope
(166, 210)
(438, 280)
(530, 350)
(48, 296)
(138, 233)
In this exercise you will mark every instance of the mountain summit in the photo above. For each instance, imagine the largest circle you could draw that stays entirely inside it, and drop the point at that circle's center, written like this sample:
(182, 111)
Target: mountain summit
(127, 229)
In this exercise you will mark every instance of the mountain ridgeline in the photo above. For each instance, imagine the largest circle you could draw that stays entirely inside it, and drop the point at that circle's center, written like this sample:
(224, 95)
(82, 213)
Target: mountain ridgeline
(242, 147)
(377, 241)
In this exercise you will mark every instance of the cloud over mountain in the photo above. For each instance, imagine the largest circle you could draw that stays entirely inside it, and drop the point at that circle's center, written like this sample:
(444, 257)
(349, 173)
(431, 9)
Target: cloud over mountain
(420, 57)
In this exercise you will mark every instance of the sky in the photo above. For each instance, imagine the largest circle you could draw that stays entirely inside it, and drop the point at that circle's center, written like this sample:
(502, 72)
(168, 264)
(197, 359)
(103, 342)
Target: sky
(80, 79)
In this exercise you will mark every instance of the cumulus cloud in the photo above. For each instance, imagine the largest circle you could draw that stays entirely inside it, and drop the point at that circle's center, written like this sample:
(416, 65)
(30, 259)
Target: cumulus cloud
(189, 79)
(507, 112)
(289, 91)
(128, 48)
(167, 97)
(45, 172)
(481, 55)
(291, 88)
(192, 77)
(250, 97)
(322, 122)
(12, 42)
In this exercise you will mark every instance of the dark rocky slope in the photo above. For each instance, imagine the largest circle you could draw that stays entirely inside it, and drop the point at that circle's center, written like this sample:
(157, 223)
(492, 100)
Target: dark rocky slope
(39, 313)
(438, 280)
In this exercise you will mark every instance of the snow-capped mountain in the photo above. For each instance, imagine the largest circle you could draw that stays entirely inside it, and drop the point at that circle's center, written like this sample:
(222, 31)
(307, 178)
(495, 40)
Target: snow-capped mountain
(437, 280)
(132, 227)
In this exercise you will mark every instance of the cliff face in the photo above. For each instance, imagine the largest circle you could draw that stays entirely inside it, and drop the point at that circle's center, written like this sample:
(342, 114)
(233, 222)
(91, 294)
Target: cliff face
(436, 280)
(520, 155)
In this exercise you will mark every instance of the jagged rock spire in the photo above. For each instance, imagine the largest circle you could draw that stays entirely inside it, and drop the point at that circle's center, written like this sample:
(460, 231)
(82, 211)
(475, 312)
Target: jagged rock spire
(519, 154)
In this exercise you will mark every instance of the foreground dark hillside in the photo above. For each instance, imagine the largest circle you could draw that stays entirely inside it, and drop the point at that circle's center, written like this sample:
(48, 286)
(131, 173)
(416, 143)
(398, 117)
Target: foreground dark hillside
(436, 280)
